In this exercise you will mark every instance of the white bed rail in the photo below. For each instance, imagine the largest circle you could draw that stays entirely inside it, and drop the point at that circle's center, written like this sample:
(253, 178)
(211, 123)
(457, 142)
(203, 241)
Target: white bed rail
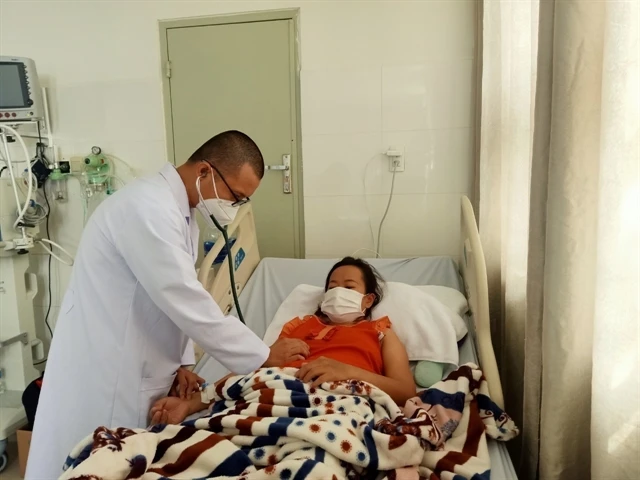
(474, 274)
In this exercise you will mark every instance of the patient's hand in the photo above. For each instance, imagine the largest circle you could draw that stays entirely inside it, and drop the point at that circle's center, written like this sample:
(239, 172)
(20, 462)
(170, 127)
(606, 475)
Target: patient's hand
(326, 370)
(172, 410)
(287, 350)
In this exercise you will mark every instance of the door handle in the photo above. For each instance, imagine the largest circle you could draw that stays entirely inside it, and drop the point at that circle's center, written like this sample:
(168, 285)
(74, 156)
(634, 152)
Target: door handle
(286, 169)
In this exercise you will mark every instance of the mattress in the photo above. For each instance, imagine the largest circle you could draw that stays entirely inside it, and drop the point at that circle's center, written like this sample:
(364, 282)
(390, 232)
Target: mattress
(275, 278)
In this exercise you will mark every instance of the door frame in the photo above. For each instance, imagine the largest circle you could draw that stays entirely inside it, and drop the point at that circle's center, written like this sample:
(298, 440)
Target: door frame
(292, 14)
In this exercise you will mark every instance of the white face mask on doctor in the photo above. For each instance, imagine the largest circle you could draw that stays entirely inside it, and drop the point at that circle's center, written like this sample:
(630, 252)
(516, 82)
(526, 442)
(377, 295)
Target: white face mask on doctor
(224, 211)
(342, 305)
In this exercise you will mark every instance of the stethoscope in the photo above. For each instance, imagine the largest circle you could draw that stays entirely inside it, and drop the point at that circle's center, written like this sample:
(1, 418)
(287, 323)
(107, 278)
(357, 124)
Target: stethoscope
(225, 236)
(232, 276)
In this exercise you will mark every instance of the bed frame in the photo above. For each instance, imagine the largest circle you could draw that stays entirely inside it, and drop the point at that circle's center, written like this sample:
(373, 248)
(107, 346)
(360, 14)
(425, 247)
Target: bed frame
(472, 266)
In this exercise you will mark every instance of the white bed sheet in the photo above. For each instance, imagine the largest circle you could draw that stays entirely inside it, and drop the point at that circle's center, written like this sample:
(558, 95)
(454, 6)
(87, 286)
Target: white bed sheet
(275, 278)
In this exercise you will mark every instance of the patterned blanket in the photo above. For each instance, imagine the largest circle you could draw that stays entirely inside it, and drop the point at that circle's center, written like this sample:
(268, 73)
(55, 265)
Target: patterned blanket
(269, 425)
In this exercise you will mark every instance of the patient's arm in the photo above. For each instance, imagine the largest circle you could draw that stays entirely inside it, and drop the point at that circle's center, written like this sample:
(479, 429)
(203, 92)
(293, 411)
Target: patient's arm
(174, 410)
(396, 369)
(397, 381)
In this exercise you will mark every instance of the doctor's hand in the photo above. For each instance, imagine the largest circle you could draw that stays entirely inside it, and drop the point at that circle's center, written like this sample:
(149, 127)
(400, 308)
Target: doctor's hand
(169, 410)
(287, 350)
(186, 384)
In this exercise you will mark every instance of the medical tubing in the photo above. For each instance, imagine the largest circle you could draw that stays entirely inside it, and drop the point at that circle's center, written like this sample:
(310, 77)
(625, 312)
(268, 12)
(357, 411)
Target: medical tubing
(232, 276)
(28, 162)
(10, 168)
(44, 241)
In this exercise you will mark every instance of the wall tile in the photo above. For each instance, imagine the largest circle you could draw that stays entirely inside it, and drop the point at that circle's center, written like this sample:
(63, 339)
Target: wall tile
(336, 226)
(436, 161)
(123, 119)
(80, 112)
(405, 97)
(347, 37)
(337, 164)
(341, 101)
(452, 88)
(428, 30)
(431, 96)
(418, 225)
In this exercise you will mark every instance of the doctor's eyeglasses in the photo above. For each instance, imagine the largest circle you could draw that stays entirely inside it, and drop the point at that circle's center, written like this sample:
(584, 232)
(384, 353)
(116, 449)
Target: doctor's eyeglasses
(238, 201)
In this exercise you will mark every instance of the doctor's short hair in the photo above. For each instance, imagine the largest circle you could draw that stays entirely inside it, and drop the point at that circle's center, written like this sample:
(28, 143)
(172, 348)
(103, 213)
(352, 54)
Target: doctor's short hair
(228, 151)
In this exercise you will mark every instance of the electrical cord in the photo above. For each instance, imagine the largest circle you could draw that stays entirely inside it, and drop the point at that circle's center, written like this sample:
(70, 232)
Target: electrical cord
(386, 212)
(46, 318)
(365, 250)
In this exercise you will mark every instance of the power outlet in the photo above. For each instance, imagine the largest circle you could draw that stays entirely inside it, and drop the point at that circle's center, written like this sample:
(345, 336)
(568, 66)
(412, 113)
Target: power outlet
(396, 159)
(396, 164)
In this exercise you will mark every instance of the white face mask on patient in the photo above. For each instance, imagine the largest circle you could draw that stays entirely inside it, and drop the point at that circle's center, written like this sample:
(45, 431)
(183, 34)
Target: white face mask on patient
(342, 305)
(222, 210)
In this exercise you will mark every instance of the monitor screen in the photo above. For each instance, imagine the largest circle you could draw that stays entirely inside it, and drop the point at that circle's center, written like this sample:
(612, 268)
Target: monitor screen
(13, 93)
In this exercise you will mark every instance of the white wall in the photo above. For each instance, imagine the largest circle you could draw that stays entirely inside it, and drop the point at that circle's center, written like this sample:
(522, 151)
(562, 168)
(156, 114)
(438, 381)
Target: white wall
(374, 74)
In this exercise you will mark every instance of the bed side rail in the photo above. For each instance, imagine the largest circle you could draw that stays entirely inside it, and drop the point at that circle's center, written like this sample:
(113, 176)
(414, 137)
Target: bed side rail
(474, 273)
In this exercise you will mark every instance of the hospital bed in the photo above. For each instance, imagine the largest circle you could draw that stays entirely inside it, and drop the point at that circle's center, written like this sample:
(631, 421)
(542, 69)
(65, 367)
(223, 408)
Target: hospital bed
(265, 284)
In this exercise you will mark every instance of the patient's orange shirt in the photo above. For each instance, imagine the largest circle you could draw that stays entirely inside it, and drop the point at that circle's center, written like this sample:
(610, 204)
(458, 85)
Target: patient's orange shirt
(357, 345)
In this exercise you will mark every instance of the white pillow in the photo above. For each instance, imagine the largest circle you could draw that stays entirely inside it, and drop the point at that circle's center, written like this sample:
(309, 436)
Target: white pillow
(451, 297)
(455, 301)
(303, 300)
(423, 324)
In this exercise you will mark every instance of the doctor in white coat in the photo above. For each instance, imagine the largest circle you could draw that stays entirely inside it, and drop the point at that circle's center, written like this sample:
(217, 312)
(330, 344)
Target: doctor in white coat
(134, 302)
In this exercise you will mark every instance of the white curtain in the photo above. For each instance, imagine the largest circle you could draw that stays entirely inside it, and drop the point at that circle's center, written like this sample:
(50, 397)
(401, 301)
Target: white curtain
(559, 217)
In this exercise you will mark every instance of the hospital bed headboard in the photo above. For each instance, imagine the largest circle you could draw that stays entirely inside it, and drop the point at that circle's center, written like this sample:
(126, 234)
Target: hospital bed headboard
(474, 274)
(245, 256)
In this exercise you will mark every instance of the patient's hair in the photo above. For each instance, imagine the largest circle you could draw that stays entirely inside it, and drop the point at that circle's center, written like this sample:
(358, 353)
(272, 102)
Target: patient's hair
(373, 281)
(228, 151)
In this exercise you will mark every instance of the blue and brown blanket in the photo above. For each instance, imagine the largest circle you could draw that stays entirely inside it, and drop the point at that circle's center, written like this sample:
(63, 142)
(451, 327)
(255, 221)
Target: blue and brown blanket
(269, 425)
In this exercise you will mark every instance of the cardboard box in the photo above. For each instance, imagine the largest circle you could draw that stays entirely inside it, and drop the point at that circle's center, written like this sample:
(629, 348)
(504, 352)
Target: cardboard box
(24, 442)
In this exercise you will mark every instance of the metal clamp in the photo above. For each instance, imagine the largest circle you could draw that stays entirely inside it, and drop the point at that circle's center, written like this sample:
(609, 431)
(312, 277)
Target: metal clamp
(286, 169)
(23, 337)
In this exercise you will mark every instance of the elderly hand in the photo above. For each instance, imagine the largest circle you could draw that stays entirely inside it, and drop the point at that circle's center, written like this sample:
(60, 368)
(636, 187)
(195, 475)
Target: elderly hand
(186, 384)
(287, 350)
(324, 370)
(169, 410)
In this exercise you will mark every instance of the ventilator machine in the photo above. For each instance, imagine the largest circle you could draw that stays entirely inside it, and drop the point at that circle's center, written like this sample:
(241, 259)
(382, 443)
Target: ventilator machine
(21, 214)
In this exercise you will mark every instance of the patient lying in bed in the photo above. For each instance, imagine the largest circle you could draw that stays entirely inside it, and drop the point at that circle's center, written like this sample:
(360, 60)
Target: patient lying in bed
(344, 342)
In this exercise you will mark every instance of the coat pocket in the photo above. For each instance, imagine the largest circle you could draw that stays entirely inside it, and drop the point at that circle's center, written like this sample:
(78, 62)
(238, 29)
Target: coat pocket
(152, 390)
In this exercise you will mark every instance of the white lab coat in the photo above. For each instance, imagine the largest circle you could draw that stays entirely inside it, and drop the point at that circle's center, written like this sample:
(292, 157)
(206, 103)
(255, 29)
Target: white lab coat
(133, 302)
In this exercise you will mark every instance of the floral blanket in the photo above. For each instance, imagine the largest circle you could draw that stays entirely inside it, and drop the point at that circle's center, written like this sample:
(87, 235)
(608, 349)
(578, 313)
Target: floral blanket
(269, 425)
